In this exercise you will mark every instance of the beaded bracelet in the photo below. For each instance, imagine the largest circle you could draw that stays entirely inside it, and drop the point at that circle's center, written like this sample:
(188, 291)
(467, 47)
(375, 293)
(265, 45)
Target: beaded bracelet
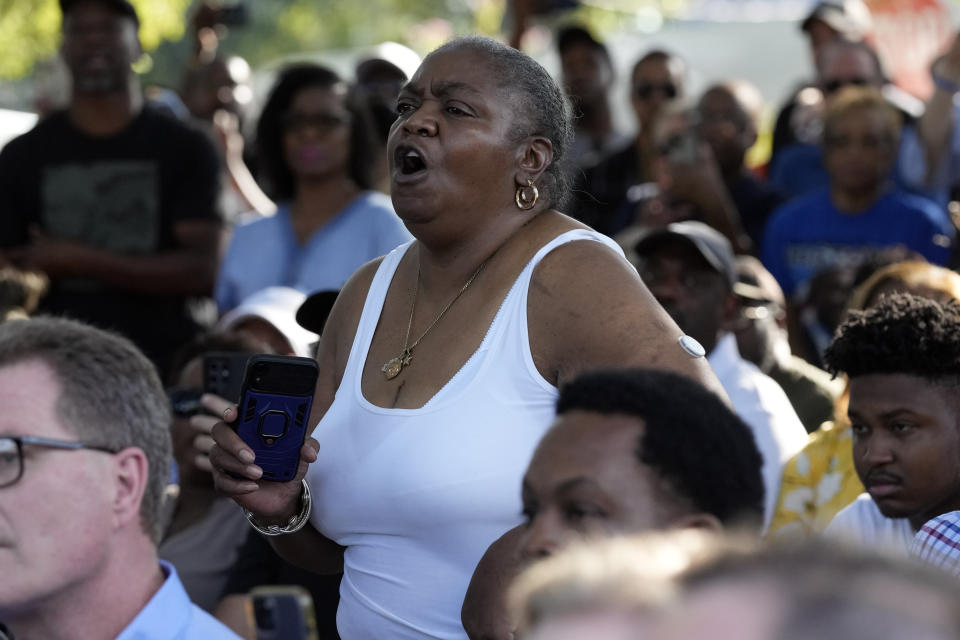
(296, 521)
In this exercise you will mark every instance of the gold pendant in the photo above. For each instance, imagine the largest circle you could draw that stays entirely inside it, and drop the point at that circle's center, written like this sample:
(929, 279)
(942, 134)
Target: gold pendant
(394, 366)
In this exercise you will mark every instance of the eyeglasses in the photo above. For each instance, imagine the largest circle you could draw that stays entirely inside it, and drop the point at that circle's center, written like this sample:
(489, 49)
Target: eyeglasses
(322, 122)
(646, 90)
(11, 454)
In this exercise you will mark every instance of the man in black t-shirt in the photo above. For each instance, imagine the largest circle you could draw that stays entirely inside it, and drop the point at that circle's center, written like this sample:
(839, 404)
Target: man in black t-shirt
(114, 201)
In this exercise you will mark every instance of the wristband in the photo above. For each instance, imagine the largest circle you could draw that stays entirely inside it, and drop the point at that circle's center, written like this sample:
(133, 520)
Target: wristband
(297, 521)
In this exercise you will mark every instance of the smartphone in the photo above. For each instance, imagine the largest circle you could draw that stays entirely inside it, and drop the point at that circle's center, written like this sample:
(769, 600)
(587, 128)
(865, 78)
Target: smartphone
(223, 373)
(283, 612)
(275, 401)
(684, 147)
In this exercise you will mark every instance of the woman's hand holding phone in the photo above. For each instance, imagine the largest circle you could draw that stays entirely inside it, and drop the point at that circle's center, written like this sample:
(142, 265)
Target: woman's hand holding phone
(235, 472)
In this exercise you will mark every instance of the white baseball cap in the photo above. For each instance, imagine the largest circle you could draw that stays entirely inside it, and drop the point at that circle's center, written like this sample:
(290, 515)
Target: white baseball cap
(277, 306)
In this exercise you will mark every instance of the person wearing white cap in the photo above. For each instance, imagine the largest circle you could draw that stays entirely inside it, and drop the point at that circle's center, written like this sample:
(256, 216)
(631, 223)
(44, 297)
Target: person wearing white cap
(832, 19)
(271, 316)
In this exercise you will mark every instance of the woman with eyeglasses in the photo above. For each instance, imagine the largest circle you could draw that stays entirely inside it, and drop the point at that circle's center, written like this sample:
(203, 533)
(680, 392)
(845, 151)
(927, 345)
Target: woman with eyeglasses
(315, 152)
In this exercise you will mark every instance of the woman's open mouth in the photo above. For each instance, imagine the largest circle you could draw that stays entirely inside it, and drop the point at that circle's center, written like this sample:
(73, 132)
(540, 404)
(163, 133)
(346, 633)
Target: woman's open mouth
(408, 161)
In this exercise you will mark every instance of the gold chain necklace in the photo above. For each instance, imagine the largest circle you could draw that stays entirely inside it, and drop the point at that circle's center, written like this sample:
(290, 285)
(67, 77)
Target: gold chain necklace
(394, 366)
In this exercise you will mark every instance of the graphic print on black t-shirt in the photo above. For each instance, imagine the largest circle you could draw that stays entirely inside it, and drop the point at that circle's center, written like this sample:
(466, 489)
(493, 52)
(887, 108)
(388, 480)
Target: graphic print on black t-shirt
(109, 205)
(124, 194)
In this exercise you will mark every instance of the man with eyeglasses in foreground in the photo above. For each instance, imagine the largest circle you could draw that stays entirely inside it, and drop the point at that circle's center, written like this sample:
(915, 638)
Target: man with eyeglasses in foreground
(84, 457)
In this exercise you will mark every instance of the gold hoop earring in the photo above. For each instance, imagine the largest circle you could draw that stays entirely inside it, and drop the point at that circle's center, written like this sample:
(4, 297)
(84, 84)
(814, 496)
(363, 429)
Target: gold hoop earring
(527, 196)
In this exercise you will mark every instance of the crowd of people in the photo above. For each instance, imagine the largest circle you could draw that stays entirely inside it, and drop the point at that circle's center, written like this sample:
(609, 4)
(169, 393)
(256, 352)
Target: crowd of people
(653, 392)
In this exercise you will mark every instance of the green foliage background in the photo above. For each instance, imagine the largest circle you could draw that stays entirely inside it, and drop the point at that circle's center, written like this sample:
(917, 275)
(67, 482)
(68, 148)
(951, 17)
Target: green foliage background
(29, 29)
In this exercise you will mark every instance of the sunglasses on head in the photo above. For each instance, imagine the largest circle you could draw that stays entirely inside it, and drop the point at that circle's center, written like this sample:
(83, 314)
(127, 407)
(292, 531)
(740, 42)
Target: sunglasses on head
(647, 89)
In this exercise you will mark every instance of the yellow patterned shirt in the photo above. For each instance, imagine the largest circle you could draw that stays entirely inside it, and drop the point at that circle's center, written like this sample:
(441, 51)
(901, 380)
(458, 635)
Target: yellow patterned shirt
(817, 483)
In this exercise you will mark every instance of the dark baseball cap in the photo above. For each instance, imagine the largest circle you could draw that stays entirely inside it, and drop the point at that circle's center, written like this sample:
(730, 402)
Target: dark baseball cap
(120, 7)
(710, 243)
(313, 312)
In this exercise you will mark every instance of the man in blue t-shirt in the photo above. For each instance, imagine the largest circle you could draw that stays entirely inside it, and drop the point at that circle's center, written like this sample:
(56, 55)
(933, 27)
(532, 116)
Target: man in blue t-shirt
(860, 213)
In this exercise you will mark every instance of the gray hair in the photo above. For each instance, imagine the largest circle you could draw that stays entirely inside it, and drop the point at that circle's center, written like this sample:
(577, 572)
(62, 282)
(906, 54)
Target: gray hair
(830, 591)
(541, 107)
(632, 573)
(110, 394)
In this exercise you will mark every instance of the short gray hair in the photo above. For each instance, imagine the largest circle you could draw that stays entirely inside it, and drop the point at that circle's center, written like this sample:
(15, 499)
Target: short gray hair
(632, 573)
(542, 108)
(832, 591)
(110, 394)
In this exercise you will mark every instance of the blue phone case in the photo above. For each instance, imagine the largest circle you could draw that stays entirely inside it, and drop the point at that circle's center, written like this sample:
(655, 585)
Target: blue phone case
(274, 423)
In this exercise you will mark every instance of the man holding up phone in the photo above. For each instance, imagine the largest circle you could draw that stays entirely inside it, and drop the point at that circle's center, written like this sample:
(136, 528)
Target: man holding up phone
(84, 458)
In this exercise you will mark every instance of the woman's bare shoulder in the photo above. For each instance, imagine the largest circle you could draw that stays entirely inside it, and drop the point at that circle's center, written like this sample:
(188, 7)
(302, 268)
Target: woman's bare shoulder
(582, 271)
(588, 271)
(572, 258)
(588, 308)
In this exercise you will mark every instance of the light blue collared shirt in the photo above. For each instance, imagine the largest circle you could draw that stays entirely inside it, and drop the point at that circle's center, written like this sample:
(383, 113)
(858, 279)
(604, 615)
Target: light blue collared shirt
(171, 616)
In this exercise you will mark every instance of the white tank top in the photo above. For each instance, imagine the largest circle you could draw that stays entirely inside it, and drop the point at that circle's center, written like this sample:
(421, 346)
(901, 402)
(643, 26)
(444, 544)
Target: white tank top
(417, 495)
